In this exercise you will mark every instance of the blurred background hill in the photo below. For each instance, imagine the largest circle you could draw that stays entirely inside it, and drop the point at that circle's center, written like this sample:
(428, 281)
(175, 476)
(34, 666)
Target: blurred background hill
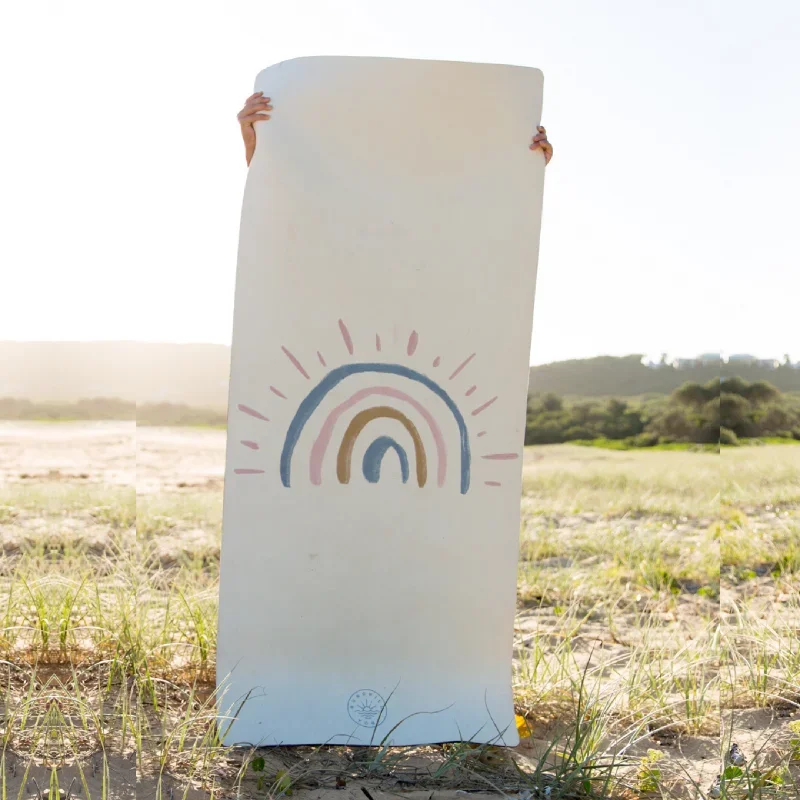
(143, 372)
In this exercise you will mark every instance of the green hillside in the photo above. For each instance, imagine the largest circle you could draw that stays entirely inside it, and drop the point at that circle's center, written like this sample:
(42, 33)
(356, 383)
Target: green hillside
(626, 376)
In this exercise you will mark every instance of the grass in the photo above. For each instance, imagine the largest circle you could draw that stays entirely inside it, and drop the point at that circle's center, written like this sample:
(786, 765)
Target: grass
(625, 444)
(658, 611)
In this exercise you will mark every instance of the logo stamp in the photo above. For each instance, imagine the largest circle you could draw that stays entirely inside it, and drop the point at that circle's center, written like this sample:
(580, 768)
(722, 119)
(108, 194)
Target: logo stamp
(366, 708)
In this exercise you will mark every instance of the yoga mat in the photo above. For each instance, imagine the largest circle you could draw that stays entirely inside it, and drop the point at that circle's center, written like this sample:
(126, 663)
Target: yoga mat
(382, 324)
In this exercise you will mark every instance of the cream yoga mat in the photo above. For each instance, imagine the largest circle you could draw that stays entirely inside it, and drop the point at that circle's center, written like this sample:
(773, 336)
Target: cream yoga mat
(383, 312)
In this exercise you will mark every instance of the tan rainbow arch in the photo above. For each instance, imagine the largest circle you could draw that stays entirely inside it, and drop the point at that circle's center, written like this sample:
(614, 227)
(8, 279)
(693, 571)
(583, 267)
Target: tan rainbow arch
(345, 456)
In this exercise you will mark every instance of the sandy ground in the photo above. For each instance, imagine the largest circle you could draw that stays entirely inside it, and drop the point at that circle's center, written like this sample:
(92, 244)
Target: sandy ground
(100, 452)
(179, 458)
(167, 460)
(117, 453)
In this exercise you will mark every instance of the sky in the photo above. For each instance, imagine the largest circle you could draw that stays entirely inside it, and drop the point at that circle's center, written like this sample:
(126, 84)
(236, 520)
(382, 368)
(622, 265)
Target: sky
(670, 206)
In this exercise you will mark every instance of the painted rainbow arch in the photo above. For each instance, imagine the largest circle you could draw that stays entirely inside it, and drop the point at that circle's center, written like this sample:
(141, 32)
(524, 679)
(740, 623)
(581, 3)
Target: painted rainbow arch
(313, 399)
(373, 459)
(376, 451)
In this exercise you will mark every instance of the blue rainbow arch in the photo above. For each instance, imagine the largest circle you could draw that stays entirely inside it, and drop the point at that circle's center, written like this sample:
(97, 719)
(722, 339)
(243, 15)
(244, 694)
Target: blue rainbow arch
(373, 458)
(312, 400)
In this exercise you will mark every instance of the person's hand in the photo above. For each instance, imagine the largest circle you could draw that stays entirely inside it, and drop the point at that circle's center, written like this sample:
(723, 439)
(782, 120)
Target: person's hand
(540, 143)
(254, 110)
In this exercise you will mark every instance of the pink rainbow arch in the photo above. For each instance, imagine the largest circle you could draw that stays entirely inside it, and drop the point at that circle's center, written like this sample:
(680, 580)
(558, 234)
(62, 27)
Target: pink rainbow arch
(322, 441)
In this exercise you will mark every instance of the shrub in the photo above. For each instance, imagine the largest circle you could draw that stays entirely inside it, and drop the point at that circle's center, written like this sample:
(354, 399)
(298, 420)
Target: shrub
(692, 414)
(727, 436)
(678, 424)
(734, 411)
(580, 432)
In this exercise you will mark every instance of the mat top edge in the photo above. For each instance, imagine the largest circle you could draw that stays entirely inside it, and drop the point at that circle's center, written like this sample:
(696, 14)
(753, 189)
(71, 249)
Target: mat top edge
(430, 61)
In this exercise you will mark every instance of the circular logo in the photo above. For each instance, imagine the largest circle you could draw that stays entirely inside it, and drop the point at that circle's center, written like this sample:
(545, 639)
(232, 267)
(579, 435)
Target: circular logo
(366, 708)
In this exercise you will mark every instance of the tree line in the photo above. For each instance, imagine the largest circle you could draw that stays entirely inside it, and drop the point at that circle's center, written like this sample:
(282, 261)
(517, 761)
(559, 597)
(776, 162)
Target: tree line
(721, 410)
(110, 408)
(627, 376)
(718, 411)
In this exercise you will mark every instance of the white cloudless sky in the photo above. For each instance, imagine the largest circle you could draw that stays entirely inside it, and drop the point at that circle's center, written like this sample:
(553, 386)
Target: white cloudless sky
(671, 205)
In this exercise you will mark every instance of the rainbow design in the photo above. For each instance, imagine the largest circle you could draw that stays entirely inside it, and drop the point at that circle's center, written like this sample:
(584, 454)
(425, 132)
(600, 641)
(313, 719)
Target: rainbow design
(334, 378)
(427, 466)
